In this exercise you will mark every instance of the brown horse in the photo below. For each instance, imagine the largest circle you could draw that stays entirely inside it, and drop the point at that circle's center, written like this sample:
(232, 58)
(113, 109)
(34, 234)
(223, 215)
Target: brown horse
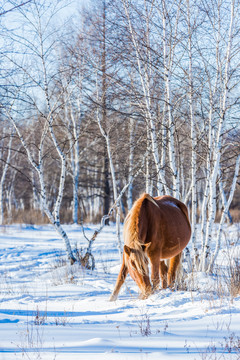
(155, 229)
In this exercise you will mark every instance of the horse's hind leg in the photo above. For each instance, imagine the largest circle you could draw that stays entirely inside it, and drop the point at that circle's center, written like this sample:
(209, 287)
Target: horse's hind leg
(120, 280)
(155, 273)
(173, 266)
(163, 273)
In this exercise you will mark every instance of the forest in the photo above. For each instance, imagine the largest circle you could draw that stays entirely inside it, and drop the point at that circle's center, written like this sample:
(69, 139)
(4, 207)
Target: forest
(115, 99)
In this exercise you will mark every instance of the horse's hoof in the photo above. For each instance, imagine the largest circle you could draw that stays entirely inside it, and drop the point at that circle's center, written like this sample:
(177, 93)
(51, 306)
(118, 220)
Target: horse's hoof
(143, 296)
(155, 289)
(113, 298)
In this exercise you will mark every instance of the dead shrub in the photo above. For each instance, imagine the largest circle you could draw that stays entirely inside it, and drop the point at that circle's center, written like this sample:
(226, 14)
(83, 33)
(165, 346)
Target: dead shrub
(234, 275)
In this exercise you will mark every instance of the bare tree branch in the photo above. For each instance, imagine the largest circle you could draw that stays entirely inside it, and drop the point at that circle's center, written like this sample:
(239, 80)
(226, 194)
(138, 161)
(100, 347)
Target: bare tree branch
(15, 7)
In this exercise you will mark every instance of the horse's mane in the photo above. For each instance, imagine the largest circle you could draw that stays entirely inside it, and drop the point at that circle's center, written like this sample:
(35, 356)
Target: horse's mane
(131, 232)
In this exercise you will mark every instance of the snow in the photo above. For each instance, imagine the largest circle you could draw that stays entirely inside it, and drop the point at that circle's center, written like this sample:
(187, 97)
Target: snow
(51, 310)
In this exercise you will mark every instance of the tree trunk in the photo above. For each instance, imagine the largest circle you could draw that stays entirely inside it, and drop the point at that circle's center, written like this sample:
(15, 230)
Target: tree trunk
(3, 177)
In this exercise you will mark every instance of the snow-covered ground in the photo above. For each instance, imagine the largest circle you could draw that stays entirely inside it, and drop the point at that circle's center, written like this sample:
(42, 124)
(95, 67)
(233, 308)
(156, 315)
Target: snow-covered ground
(50, 310)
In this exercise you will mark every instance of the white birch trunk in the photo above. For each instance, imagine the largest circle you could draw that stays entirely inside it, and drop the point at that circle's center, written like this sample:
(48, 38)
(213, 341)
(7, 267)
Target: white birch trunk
(210, 154)
(36, 204)
(168, 54)
(148, 182)
(113, 176)
(38, 168)
(76, 123)
(131, 157)
(224, 199)
(3, 177)
(73, 121)
(147, 175)
(115, 195)
(58, 202)
(56, 210)
(42, 51)
(164, 140)
(224, 215)
(144, 78)
(75, 177)
(193, 143)
(217, 150)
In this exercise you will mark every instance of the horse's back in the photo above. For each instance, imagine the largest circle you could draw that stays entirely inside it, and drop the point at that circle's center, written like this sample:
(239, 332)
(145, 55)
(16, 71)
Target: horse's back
(173, 205)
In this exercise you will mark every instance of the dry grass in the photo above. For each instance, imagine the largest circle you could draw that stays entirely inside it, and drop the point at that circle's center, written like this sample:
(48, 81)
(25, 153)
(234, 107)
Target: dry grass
(235, 215)
(37, 217)
(31, 216)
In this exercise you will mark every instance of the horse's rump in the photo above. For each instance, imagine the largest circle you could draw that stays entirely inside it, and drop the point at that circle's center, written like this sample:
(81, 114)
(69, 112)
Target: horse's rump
(163, 221)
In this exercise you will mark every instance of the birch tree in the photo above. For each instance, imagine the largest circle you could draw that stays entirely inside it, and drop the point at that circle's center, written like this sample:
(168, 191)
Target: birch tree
(192, 14)
(106, 137)
(220, 90)
(5, 166)
(224, 215)
(144, 66)
(71, 89)
(170, 39)
(37, 42)
(131, 159)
